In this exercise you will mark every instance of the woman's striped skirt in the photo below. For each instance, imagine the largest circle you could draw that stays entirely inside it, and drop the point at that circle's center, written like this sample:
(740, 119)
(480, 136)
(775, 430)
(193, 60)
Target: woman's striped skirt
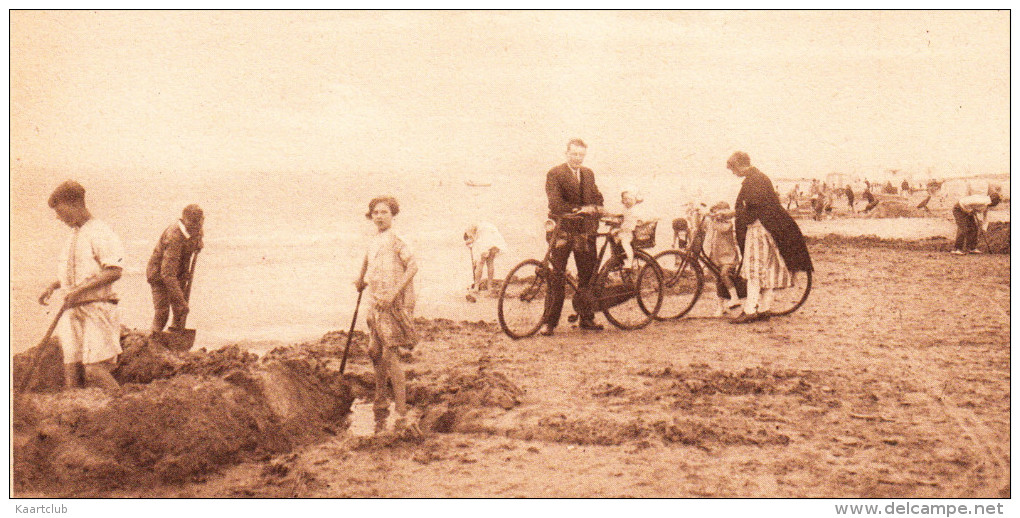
(762, 260)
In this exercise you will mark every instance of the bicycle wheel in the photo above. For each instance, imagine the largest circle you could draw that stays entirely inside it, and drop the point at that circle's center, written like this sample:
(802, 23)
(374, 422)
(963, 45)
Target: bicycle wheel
(787, 300)
(682, 282)
(629, 298)
(522, 299)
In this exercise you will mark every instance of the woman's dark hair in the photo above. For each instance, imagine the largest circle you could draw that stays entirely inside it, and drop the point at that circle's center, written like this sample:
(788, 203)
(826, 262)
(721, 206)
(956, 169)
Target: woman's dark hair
(996, 198)
(388, 200)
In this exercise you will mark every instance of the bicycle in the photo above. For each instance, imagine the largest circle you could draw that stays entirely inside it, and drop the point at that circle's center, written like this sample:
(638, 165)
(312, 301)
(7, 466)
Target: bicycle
(628, 297)
(684, 280)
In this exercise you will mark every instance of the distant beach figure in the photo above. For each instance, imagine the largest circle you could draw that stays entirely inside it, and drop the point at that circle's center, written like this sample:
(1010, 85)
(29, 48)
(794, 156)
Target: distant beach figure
(819, 200)
(388, 272)
(169, 268)
(971, 215)
(772, 244)
(91, 261)
(792, 197)
(870, 198)
(850, 197)
(485, 243)
(905, 187)
(721, 246)
(931, 188)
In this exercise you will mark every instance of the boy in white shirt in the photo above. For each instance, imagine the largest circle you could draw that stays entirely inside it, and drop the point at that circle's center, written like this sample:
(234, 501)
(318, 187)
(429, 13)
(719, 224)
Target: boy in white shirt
(92, 260)
(971, 213)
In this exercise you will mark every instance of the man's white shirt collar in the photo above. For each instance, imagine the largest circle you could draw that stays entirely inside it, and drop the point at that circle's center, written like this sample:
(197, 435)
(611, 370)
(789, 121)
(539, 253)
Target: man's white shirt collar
(184, 230)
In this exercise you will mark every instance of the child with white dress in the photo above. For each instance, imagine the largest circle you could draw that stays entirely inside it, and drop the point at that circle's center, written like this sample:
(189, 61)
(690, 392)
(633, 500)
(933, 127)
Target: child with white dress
(485, 243)
(388, 272)
(636, 223)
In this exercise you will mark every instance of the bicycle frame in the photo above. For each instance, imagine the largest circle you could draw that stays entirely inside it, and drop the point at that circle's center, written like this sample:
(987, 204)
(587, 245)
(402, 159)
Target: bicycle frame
(558, 232)
(697, 250)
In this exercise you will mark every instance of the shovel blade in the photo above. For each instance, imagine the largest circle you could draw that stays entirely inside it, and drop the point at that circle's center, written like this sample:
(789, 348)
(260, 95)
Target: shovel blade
(176, 339)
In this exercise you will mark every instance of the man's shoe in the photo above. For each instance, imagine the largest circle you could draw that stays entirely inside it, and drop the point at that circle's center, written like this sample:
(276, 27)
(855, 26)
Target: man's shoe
(590, 325)
(976, 251)
(547, 330)
(744, 318)
(958, 252)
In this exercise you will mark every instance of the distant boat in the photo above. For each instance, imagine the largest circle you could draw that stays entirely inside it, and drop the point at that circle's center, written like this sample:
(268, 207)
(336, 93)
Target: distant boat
(472, 183)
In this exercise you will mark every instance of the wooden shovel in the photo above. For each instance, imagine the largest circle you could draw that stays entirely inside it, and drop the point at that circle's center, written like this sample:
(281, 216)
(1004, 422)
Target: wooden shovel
(27, 380)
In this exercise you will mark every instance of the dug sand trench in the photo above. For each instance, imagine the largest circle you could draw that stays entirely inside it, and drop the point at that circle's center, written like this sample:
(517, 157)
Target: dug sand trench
(182, 417)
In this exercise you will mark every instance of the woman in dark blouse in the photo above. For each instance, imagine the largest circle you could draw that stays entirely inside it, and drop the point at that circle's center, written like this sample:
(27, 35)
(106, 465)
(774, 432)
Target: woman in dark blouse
(772, 244)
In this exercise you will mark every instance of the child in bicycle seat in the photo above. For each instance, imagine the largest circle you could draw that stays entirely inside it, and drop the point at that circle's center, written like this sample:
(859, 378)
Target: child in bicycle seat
(633, 223)
(721, 247)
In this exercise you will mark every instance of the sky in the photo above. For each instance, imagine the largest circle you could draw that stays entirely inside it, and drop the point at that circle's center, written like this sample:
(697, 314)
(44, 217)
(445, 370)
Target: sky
(804, 93)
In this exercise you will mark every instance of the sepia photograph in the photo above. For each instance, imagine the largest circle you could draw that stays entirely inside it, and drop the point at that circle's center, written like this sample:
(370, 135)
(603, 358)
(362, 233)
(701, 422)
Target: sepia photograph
(702, 256)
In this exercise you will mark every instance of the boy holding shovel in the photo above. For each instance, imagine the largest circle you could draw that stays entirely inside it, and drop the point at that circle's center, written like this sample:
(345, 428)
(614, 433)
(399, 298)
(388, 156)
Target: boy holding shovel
(169, 268)
(92, 260)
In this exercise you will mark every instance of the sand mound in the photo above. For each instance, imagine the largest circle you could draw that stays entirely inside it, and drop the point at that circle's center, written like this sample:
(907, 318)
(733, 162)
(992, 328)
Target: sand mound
(143, 361)
(47, 374)
(933, 244)
(460, 396)
(209, 410)
(442, 328)
(895, 208)
(998, 237)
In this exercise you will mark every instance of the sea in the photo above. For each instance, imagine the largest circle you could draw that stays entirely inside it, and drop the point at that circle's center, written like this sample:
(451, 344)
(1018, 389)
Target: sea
(282, 249)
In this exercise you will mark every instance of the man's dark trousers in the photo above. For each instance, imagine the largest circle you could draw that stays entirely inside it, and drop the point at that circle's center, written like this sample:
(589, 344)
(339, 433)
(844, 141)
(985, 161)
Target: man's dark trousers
(966, 229)
(585, 258)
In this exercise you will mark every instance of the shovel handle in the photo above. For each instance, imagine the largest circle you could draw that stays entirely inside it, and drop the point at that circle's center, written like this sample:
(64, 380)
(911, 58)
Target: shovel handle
(38, 352)
(187, 288)
(350, 334)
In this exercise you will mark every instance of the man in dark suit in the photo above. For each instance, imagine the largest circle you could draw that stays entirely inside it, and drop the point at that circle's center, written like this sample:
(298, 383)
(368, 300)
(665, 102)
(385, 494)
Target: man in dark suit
(571, 189)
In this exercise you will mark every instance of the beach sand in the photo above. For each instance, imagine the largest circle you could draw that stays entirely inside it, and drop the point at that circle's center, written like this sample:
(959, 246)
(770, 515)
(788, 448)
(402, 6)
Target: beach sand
(892, 381)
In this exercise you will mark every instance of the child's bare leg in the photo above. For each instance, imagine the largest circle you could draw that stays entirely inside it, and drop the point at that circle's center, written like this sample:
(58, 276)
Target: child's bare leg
(478, 272)
(380, 404)
(490, 262)
(72, 375)
(727, 278)
(396, 375)
(726, 272)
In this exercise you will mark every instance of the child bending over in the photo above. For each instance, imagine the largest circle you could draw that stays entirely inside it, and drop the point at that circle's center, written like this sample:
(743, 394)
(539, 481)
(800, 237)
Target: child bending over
(485, 239)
